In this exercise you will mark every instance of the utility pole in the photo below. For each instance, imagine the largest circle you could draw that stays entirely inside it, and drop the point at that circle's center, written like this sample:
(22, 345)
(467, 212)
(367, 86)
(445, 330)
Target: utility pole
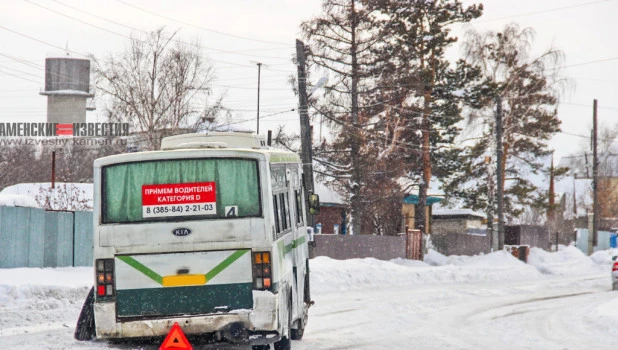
(53, 170)
(259, 64)
(551, 211)
(499, 172)
(490, 204)
(595, 181)
(305, 129)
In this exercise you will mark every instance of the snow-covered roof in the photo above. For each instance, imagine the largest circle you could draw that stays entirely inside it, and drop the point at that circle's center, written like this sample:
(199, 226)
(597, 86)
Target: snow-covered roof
(457, 212)
(580, 166)
(327, 195)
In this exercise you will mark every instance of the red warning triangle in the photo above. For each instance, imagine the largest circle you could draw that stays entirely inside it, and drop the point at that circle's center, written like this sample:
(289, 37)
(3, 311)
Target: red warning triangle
(176, 339)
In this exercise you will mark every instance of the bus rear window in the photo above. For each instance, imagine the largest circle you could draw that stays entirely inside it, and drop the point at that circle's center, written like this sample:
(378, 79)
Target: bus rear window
(186, 189)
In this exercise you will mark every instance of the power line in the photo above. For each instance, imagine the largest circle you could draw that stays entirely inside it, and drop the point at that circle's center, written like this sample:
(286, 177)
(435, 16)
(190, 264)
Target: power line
(67, 78)
(200, 27)
(540, 11)
(588, 137)
(249, 88)
(123, 35)
(261, 117)
(43, 42)
(76, 19)
(20, 77)
(587, 105)
(584, 63)
(143, 31)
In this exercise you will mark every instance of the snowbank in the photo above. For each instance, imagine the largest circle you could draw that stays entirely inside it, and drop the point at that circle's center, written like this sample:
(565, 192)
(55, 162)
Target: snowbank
(25, 285)
(604, 257)
(64, 196)
(569, 261)
(330, 275)
(17, 200)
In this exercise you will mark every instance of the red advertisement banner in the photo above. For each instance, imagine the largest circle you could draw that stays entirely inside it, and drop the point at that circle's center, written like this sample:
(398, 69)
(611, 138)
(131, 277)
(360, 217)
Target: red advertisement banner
(187, 193)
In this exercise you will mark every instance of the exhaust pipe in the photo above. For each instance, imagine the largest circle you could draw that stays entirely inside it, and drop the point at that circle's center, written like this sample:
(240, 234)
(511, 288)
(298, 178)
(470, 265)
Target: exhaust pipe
(236, 333)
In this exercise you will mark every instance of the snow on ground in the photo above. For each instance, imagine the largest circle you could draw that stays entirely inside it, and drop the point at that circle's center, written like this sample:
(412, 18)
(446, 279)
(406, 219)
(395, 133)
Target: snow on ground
(17, 200)
(330, 275)
(63, 196)
(492, 290)
(567, 261)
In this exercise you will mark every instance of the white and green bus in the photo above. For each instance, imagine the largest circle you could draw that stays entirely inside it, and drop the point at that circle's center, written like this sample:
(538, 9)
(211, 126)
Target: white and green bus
(209, 232)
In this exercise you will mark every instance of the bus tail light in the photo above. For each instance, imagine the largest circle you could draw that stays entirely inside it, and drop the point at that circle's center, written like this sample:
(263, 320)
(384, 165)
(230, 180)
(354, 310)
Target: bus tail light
(105, 277)
(262, 271)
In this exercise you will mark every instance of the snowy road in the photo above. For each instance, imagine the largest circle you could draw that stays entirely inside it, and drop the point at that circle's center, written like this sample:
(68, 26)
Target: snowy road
(490, 302)
(556, 314)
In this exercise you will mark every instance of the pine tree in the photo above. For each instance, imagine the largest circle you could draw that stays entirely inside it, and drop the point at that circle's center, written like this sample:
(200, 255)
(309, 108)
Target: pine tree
(529, 88)
(422, 88)
(339, 41)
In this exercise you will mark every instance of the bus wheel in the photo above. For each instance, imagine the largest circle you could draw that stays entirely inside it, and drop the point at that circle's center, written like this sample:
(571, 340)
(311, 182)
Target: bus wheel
(85, 330)
(297, 334)
(285, 343)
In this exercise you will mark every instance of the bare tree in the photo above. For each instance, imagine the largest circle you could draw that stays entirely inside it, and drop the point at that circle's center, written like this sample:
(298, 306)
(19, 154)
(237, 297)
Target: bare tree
(66, 197)
(159, 85)
(22, 163)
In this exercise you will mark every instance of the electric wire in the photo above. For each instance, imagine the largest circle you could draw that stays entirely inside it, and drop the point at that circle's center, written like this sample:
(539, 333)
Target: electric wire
(539, 12)
(200, 27)
(144, 31)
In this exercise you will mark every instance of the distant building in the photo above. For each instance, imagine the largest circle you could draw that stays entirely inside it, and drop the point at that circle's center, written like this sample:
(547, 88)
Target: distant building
(457, 221)
(333, 212)
(408, 208)
(67, 87)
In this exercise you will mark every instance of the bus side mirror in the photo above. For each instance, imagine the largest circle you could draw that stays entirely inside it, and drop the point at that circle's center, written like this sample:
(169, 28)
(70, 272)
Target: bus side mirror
(314, 204)
(310, 236)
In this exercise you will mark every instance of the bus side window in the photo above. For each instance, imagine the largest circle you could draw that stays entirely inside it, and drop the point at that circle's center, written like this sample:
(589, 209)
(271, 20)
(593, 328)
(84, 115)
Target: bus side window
(276, 209)
(285, 212)
(299, 208)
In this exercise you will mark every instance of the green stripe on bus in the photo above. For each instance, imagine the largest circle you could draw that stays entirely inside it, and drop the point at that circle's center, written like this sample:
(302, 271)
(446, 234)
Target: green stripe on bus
(288, 248)
(224, 264)
(299, 241)
(295, 244)
(141, 268)
(157, 278)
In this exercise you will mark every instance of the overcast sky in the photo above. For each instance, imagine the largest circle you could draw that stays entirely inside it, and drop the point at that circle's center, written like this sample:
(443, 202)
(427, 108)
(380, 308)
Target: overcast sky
(236, 34)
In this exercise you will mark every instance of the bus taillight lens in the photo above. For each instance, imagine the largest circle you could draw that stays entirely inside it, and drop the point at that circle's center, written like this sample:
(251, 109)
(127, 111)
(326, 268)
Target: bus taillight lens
(262, 270)
(105, 277)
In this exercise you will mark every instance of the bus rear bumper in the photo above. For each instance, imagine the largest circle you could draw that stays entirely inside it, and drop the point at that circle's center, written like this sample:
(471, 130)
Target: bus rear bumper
(261, 319)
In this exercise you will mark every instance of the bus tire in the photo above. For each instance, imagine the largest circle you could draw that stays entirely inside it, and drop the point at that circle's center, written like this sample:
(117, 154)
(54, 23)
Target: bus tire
(85, 329)
(285, 343)
(297, 334)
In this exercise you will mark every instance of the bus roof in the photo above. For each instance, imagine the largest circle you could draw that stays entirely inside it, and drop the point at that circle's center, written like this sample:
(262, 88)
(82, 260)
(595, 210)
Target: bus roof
(197, 148)
(214, 139)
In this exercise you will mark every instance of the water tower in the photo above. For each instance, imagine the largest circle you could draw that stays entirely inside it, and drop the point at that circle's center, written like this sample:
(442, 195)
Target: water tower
(67, 87)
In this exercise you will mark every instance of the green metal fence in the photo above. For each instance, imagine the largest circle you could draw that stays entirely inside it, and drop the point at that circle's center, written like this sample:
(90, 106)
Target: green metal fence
(31, 237)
